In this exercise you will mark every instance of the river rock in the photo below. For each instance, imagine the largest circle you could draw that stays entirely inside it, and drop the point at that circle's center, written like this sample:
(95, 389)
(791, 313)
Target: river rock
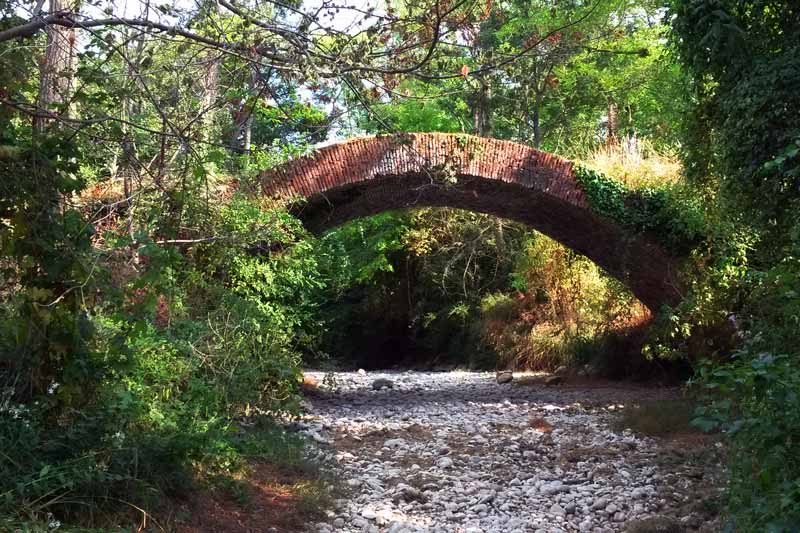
(451, 451)
(554, 380)
(561, 371)
(444, 462)
(600, 503)
(504, 376)
(394, 444)
(382, 383)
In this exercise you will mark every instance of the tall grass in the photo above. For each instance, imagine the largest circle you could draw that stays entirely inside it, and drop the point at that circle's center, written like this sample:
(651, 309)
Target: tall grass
(636, 163)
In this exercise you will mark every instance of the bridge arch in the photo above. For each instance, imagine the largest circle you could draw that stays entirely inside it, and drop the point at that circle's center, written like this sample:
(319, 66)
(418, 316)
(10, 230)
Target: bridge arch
(365, 176)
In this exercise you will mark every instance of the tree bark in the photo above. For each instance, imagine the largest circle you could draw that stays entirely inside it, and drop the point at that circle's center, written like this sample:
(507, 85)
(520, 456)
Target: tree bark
(208, 103)
(210, 85)
(247, 132)
(243, 120)
(481, 113)
(482, 123)
(612, 125)
(56, 69)
(537, 126)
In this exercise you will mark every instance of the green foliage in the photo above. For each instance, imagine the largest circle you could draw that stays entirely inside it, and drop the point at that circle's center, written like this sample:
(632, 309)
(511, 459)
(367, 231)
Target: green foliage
(361, 251)
(741, 152)
(292, 119)
(45, 249)
(755, 400)
(569, 312)
(417, 278)
(499, 306)
(670, 214)
(427, 111)
(556, 94)
(744, 57)
(120, 383)
(734, 307)
(606, 196)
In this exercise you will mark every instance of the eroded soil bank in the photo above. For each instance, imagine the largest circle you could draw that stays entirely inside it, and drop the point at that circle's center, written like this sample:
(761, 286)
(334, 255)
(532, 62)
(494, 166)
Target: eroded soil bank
(457, 452)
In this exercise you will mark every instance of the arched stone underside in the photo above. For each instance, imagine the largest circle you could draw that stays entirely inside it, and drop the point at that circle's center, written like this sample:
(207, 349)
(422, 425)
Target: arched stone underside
(366, 176)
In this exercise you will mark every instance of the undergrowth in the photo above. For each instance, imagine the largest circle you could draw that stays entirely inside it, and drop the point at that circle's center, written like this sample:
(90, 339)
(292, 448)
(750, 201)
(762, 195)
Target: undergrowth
(566, 312)
(126, 367)
(635, 163)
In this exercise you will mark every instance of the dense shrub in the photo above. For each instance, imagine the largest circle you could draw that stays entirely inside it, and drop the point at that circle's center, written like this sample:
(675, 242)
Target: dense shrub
(755, 401)
(126, 364)
(742, 155)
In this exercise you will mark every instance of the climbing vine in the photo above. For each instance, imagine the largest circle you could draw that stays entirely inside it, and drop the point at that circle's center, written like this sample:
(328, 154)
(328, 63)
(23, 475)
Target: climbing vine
(668, 214)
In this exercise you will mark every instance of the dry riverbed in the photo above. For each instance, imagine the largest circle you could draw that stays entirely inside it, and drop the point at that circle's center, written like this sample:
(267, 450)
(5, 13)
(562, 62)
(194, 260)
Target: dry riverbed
(457, 452)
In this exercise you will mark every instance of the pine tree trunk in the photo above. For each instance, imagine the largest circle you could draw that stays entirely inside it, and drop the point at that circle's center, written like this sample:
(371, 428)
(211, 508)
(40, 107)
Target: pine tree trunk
(56, 69)
(481, 113)
(210, 95)
(537, 126)
(612, 135)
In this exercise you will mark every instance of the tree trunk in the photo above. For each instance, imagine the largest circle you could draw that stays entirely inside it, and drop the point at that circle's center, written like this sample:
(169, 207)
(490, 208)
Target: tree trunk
(210, 84)
(56, 69)
(481, 113)
(537, 126)
(208, 103)
(499, 239)
(612, 126)
(247, 132)
(243, 119)
(482, 122)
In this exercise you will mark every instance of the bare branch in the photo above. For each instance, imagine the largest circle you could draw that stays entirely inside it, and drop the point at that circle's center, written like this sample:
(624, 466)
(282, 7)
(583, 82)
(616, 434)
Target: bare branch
(66, 20)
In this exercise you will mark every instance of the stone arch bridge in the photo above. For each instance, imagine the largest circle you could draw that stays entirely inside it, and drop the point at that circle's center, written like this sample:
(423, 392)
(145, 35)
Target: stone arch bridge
(366, 176)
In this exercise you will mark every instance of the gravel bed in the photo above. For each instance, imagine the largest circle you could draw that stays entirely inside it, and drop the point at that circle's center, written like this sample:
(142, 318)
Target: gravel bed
(458, 452)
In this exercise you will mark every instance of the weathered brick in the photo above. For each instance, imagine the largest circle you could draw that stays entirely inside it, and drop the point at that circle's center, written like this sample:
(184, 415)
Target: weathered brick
(365, 176)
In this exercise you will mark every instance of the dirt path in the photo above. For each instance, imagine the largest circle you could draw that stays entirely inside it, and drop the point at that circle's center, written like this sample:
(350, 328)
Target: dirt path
(457, 452)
